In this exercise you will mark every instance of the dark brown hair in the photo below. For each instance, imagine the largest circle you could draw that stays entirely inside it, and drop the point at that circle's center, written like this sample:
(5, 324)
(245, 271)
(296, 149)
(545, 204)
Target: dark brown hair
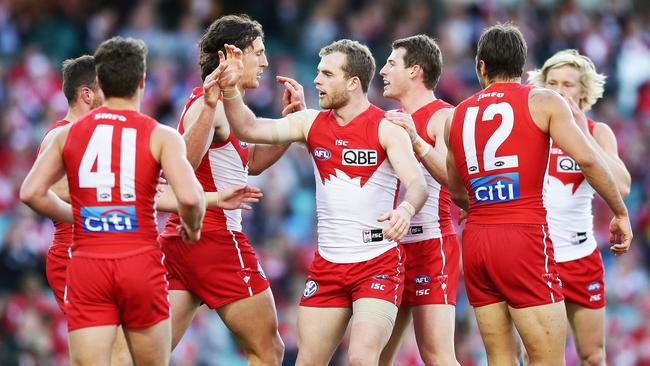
(358, 61)
(121, 62)
(77, 73)
(503, 50)
(238, 30)
(422, 50)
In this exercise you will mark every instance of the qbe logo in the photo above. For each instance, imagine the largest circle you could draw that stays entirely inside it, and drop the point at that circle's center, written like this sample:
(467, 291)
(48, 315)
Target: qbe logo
(566, 164)
(496, 188)
(321, 153)
(111, 219)
(359, 157)
(310, 288)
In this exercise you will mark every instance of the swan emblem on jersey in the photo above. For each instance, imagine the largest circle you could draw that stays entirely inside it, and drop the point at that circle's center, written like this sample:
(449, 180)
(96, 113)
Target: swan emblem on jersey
(565, 169)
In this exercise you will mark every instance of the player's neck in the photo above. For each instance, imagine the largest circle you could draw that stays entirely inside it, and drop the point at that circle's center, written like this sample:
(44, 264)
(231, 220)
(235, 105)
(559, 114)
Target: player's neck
(499, 80)
(75, 112)
(416, 98)
(354, 108)
(132, 103)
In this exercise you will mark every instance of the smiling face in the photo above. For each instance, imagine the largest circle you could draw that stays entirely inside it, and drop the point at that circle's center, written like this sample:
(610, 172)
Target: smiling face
(395, 74)
(331, 82)
(254, 64)
(566, 81)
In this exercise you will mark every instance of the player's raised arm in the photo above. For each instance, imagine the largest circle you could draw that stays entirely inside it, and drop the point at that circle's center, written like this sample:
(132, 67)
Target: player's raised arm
(566, 134)
(455, 185)
(47, 170)
(243, 121)
(179, 173)
(399, 152)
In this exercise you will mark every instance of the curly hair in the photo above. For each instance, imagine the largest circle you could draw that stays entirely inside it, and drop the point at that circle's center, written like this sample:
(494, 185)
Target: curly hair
(593, 83)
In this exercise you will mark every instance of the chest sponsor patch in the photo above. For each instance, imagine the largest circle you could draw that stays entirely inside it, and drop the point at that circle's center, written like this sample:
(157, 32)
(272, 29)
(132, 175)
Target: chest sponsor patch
(359, 157)
(112, 219)
(496, 188)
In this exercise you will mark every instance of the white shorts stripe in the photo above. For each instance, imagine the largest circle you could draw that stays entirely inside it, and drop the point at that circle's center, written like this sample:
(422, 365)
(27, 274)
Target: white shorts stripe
(442, 271)
(241, 261)
(548, 282)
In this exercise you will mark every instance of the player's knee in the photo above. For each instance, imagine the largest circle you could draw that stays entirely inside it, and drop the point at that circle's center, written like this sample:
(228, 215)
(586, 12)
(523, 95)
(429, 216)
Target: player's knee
(360, 358)
(595, 358)
(121, 358)
(439, 359)
(270, 353)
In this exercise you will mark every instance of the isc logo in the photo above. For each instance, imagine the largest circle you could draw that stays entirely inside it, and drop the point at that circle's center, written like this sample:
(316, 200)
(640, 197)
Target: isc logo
(422, 292)
(109, 219)
(359, 157)
(322, 153)
(377, 286)
(496, 188)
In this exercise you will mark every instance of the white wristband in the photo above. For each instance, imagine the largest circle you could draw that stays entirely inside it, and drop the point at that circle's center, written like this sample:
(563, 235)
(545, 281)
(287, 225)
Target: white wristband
(408, 207)
(422, 151)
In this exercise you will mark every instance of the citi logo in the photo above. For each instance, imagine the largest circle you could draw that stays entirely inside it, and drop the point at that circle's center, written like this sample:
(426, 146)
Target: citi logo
(321, 153)
(496, 188)
(109, 219)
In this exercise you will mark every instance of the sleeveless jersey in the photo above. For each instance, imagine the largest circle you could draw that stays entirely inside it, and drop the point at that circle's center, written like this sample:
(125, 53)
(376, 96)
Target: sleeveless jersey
(434, 220)
(62, 230)
(568, 198)
(355, 184)
(224, 164)
(112, 176)
(501, 155)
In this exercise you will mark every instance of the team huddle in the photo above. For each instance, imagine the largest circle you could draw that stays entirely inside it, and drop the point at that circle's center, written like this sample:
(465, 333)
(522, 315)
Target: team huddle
(521, 161)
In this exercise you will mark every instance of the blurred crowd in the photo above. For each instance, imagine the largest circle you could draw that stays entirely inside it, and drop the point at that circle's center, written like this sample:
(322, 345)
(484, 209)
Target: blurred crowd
(36, 36)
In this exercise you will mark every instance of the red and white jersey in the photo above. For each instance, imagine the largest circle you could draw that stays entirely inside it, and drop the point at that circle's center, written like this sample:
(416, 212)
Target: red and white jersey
(568, 198)
(434, 220)
(62, 230)
(355, 184)
(224, 164)
(501, 155)
(112, 176)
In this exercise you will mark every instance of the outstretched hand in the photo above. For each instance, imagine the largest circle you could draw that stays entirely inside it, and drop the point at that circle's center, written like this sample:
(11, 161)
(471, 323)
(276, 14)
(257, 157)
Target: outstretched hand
(234, 68)
(293, 99)
(399, 221)
(211, 89)
(232, 198)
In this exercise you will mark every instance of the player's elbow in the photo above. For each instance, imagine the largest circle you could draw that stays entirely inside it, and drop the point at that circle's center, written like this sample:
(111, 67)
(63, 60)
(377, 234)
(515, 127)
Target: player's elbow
(624, 189)
(193, 200)
(28, 193)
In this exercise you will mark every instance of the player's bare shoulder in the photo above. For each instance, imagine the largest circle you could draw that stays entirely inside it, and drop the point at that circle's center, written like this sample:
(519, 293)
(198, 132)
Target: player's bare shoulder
(542, 103)
(390, 133)
(163, 135)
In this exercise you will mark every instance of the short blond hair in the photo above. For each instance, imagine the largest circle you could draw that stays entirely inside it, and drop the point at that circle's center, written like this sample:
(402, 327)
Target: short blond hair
(593, 83)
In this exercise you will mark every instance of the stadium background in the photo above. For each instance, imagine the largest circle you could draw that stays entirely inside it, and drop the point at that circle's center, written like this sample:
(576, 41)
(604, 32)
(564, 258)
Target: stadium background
(36, 36)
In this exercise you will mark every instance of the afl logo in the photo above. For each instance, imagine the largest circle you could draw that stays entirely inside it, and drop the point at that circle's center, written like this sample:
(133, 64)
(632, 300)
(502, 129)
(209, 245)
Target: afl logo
(310, 288)
(243, 145)
(322, 153)
(593, 287)
(422, 280)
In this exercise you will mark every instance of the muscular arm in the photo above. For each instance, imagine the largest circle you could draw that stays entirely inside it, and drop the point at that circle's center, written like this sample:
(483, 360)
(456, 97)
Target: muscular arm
(48, 169)
(566, 134)
(608, 148)
(398, 150)
(204, 121)
(435, 160)
(456, 186)
(260, 157)
(249, 128)
(180, 175)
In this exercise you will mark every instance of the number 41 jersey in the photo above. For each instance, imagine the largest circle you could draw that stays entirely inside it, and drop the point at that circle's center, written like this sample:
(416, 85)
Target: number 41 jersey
(112, 176)
(501, 155)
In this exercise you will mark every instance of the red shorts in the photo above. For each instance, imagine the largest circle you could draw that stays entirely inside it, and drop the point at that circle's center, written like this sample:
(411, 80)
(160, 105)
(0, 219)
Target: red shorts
(583, 281)
(131, 290)
(512, 263)
(219, 269)
(56, 265)
(340, 284)
(432, 268)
